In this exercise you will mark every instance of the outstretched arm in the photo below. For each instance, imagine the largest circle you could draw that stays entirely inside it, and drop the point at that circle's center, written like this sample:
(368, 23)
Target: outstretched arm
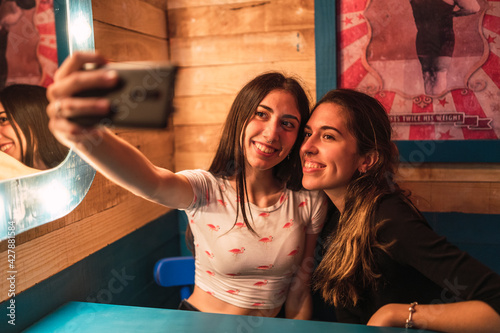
(468, 316)
(299, 300)
(112, 156)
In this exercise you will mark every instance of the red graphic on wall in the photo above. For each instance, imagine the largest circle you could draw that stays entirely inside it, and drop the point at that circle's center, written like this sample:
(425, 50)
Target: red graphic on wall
(435, 69)
(28, 42)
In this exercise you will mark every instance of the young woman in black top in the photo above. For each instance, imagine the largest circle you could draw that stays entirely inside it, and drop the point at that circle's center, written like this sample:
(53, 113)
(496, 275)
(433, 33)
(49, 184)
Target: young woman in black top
(381, 255)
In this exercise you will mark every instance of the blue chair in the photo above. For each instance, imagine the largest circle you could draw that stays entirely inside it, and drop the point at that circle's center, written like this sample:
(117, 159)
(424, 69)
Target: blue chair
(176, 271)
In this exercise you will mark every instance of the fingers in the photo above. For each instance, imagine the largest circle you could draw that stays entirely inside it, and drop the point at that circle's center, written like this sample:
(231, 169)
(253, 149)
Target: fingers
(76, 107)
(80, 81)
(70, 79)
(68, 132)
(77, 61)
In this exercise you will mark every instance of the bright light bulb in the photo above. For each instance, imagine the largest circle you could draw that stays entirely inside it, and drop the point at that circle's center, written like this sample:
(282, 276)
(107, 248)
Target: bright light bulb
(80, 29)
(59, 199)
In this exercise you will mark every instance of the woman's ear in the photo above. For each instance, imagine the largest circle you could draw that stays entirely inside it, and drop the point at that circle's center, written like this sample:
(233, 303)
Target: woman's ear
(368, 161)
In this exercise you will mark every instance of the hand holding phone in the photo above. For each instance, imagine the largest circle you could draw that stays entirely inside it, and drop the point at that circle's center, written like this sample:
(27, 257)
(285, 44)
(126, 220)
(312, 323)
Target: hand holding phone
(143, 96)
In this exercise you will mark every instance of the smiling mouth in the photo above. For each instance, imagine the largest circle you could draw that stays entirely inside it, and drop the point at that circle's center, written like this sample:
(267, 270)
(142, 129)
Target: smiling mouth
(312, 165)
(264, 149)
(6, 147)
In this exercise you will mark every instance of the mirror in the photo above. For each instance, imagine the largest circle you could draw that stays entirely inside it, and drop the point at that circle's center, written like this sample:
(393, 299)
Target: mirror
(37, 198)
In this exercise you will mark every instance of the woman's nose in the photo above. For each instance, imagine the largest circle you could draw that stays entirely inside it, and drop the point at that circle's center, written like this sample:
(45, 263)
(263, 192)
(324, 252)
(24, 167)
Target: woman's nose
(308, 147)
(271, 131)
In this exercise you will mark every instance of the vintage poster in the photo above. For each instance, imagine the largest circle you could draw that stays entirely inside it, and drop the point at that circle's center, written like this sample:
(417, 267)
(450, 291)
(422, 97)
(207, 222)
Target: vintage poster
(28, 48)
(434, 64)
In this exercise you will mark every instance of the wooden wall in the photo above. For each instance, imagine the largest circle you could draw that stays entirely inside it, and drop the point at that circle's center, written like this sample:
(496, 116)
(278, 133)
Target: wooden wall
(221, 44)
(124, 30)
(472, 188)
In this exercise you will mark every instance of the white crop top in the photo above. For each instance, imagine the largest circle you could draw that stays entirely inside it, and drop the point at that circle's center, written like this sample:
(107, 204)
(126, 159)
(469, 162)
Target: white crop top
(235, 265)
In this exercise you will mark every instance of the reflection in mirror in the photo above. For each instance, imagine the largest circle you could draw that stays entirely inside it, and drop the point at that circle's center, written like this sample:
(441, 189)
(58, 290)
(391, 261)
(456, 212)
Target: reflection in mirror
(24, 134)
(36, 197)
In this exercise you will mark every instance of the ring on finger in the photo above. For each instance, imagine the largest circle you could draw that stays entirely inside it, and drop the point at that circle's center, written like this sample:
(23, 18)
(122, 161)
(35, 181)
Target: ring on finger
(58, 108)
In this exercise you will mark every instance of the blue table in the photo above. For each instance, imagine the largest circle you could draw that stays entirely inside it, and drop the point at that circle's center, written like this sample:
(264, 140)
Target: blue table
(95, 318)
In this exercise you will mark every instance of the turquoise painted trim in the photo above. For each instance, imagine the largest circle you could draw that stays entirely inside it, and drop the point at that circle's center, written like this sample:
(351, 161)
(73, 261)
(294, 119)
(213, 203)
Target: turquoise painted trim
(458, 151)
(325, 32)
(65, 12)
(81, 317)
(23, 200)
(467, 151)
(23, 203)
(61, 20)
(476, 234)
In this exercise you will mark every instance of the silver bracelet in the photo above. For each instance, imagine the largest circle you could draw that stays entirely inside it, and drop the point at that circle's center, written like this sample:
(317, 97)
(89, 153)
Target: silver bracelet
(409, 321)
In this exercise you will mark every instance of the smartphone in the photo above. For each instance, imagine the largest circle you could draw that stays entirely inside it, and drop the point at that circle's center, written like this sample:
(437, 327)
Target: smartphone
(142, 98)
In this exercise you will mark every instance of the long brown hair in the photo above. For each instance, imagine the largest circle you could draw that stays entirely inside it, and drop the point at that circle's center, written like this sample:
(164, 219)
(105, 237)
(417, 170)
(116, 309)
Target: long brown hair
(25, 105)
(348, 263)
(229, 160)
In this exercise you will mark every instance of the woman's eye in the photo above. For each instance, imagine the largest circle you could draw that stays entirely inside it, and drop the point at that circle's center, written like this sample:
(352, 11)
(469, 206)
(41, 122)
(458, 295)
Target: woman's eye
(3, 121)
(260, 114)
(307, 135)
(288, 124)
(328, 137)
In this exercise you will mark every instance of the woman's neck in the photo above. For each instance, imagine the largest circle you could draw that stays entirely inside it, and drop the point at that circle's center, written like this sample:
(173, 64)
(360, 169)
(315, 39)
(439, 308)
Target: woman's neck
(263, 189)
(337, 197)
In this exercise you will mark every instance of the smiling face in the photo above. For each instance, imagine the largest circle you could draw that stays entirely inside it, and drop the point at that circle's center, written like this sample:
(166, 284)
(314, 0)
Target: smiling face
(329, 152)
(9, 143)
(271, 132)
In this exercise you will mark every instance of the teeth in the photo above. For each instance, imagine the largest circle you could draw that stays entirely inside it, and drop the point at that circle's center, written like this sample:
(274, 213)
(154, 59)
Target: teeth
(312, 165)
(5, 147)
(264, 149)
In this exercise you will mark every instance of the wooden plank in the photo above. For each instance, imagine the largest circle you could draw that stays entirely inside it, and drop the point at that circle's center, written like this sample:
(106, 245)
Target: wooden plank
(494, 197)
(47, 255)
(469, 172)
(162, 4)
(198, 160)
(121, 45)
(172, 4)
(132, 15)
(197, 138)
(156, 144)
(202, 110)
(462, 197)
(240, 18)
(293, 45)
(226, 80)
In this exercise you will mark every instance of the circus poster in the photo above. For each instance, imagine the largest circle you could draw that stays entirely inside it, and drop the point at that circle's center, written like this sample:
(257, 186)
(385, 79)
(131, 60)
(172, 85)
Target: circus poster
(449, 94)
(28, 42)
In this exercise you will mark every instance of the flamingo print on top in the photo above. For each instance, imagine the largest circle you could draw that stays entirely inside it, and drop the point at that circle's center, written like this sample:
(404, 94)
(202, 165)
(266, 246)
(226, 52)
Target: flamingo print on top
(249, 271)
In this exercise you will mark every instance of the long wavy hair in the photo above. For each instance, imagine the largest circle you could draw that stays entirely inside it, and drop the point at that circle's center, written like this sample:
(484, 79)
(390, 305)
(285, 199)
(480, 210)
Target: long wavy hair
(348, 264)
(25, 105)
(229, 160)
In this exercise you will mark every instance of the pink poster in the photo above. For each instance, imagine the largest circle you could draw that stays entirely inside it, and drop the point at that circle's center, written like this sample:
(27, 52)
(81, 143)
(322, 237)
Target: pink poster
(434, 64)
(28, 48)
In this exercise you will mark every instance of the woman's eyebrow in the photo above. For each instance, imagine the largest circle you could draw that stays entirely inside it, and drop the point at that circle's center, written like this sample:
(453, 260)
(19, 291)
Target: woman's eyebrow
(288, 116)
(325, 128)
(266, 107)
